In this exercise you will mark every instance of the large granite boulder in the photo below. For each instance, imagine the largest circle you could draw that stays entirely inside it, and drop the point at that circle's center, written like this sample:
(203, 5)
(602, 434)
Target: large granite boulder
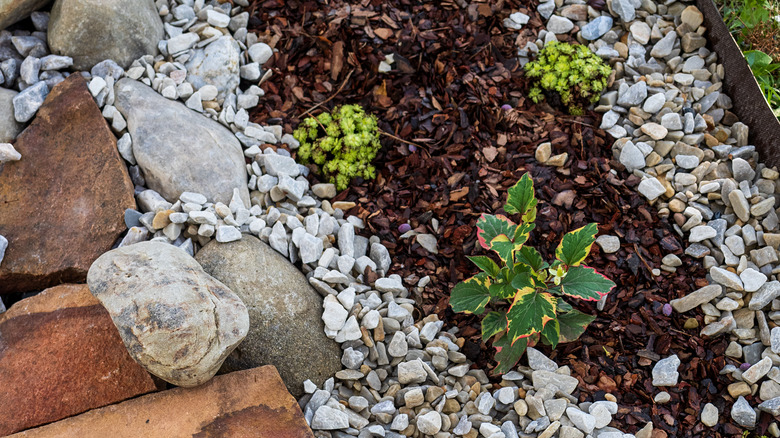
(61, 356)
(12, 11)
(177, 321)
(217, 64)
(9, 127)
(63, 202)
(180, 150)
(285, 313)
(252, 403)
(91, 31)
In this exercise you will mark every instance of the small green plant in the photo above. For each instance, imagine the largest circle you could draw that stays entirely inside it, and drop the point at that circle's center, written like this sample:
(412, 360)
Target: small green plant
(525, 294)
(342, 144)
(768, 80)
(575, 73)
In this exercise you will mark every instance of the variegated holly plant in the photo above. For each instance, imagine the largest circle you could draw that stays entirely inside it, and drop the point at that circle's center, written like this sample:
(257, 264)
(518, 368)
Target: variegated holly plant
(524, 296)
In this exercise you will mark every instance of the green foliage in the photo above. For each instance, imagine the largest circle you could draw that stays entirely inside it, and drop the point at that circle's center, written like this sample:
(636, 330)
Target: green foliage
(524, 294)
(754, 27)
(342, 144)
(575, 73)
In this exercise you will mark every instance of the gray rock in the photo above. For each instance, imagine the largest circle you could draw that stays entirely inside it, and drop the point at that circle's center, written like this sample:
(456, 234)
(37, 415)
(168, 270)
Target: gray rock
(726, 278)
(177, 321)
(665, 371)
(702, 232)
(90, 31)
(651, 188)
(742, 170)
(743, 413)
(584, 422)
(538, 361)
(664, 46)
(12, 11)
(217, 64)
(327, 418)
(625, 10)
(771, 406)
(411, 372)
(740, 205)
(430, 423)
(27, 102)
(429, 242)
(9, 127)
(757, 371)
(697, 298)
(542, 379)
(752, 280)
(597, 28)
(179, 150)
(709, 415)
(765, 294)
(546, 9)
(3, 247)
(558, 24)
(633, 96)
(286, 328)
(632, 157)
(608, 244)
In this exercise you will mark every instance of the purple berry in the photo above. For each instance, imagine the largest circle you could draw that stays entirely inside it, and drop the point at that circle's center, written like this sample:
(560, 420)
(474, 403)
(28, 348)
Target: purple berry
(667, 309)
(412, 148)
(506, 107)
(404, 228)
(744, 366)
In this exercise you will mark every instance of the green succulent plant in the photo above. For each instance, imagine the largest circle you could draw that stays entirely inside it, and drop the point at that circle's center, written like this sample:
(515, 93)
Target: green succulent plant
(342, 144)
(572, 71)
(524, 295)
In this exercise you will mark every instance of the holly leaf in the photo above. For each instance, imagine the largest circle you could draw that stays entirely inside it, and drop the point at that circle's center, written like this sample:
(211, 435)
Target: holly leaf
(529, 314)
(530, 256)
(472, 295)
(491, 226)
(486, 264)
(551, 333)
(573, 324)
(492, 323)
(521, 198)
(575, 245)
(508, 354)
(585, 283)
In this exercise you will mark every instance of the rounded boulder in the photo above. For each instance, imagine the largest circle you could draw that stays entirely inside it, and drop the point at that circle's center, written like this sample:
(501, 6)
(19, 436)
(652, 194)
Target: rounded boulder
(285, 313)
(177, 321)
(91, 31)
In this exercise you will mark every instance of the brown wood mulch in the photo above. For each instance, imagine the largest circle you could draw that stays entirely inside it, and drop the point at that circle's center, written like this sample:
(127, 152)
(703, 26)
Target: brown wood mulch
(454, 68)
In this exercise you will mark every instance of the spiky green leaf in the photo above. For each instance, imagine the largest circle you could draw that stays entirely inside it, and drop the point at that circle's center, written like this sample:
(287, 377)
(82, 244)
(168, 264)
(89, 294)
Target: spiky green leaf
(530, 312)
(573, 324)
(493, 323)
(472, 295)
(508, 354)
(585, 283)
(521, 197)
(575, 245)
(486, 264)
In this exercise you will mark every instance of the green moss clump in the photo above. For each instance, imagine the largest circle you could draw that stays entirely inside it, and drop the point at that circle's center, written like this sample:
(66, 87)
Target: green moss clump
(572, 71)
(342, 144)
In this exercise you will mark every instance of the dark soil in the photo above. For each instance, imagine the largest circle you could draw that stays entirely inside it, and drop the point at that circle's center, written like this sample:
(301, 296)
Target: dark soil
(454, 68)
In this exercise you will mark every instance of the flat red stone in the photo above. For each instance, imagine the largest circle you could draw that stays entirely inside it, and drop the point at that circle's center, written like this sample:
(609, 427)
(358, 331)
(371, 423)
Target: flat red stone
(60, 355)
(253, 403)
(62, 204)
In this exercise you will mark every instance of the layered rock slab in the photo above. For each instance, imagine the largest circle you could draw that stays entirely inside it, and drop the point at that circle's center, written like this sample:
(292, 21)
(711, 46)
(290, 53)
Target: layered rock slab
(62, 204)
(178, 149)
(61, 356)
(286, 328)
(91, 31)
(252, 403)
(177, 321)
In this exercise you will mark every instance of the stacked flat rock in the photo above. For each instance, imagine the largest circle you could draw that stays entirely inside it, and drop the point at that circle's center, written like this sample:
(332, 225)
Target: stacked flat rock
(674, 130)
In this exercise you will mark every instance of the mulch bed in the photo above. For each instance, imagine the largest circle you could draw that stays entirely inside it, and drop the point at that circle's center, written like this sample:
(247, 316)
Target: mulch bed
(454, 69)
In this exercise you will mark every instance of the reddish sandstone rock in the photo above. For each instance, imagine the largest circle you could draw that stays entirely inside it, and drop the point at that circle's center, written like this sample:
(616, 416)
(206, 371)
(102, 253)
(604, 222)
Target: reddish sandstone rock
(252, 403)
(62, 204)
(61, 355)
